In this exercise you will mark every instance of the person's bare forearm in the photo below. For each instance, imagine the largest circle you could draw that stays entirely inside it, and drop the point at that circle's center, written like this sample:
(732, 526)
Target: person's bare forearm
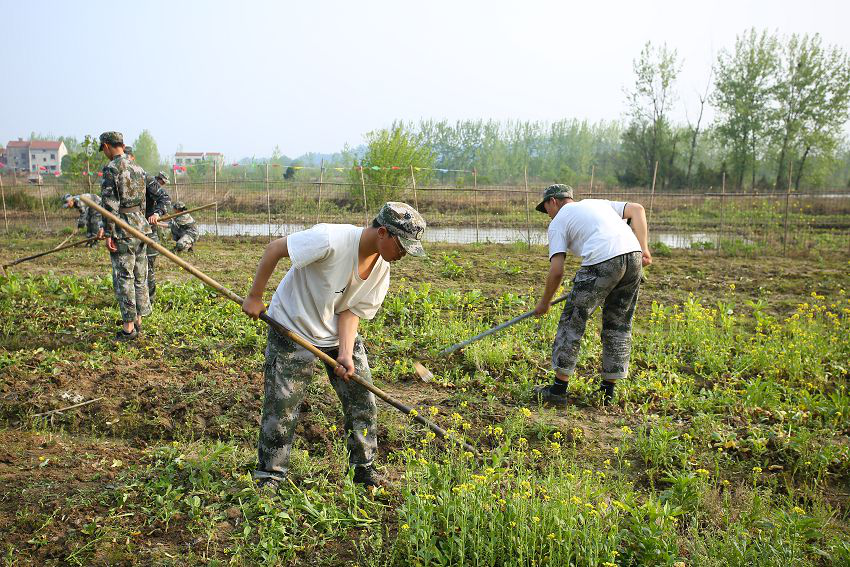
(553, 282)
(272, 255)
(636, 214)
(347, 325)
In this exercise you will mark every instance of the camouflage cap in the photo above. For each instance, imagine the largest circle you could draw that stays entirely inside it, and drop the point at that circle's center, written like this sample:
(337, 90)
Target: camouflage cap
(129, 150)
(65, 200)
(179, 206)
(162, 176)
(405, 222)
(558, 191)
(111, 138)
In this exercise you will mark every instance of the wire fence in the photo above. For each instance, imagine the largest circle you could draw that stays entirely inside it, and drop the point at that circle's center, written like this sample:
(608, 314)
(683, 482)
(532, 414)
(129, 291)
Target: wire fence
(740, 223)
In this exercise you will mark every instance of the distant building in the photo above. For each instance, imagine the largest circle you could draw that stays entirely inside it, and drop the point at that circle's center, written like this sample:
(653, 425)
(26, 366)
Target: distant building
(3, 156)
(35, 156)
(192, 158)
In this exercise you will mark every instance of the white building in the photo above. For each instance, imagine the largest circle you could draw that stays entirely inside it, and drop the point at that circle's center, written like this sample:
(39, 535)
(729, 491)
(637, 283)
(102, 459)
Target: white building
(192, 158)
(35, 156)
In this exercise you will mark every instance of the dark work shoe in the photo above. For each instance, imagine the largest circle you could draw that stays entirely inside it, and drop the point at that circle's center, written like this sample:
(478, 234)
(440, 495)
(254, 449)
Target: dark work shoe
(122, 336)
(368, 476)
(268, 484)
(120, 323)
(606, 388)
(545, 395)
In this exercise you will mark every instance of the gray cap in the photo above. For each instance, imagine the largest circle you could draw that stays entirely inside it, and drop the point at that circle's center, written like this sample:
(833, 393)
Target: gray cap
(111, 138)
(558, 191)
(179, 206)
(402, 220)
(162, 176)
(129, 150)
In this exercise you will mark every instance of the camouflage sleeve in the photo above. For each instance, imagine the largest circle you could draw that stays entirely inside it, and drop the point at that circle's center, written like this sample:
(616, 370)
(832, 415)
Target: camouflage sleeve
(159, 196)
(109, 196)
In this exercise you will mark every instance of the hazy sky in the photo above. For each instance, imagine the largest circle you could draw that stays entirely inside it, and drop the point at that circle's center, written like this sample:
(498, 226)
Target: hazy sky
(242, 77)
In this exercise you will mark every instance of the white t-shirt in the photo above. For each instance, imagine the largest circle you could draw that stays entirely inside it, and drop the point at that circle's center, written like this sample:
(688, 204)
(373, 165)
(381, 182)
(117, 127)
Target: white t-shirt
(592, 229)
(324, 281)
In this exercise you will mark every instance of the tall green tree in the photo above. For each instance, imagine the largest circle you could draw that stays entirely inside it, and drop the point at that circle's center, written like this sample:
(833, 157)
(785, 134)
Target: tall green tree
(86, 162)
(743, 91)
(147, 153)
(649, 137)
(398, 146)
(812, 96)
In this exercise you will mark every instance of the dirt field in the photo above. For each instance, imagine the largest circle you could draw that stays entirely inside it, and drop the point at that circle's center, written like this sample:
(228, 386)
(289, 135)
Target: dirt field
(156, 471)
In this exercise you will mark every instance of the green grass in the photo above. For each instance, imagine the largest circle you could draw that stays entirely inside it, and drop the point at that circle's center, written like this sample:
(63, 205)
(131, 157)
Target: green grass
(728, 444)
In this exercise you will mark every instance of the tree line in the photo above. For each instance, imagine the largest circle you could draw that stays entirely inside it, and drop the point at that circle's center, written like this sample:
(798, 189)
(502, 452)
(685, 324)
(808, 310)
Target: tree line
(780, 106)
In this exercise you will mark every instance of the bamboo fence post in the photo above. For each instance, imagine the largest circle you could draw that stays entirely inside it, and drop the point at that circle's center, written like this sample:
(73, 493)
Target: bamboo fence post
(41, 197)
(722, 203)
(176, 189)
(268, 202)
(321, 180)
(3, 194)
(413, 180)
(787, 200)
(215, 193)
(88, 171)
(652, 193)
(475, 196)
(365, 206)
(527, 212)
(592, 171)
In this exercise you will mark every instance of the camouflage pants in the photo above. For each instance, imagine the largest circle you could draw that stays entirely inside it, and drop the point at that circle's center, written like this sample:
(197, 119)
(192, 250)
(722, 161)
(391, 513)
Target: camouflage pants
(129, 278)
(614, 284)
(152, 254)
(92, 227)
(184, 243)
(288, 371)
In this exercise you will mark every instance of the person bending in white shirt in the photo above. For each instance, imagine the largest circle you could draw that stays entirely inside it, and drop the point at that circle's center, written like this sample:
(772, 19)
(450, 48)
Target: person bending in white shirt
(340, 274)
(613, 254)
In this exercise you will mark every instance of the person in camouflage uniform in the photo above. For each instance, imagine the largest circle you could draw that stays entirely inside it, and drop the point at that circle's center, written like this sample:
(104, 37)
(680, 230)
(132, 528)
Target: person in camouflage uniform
(88, 218)
(613, 254)
(184, 229)
(157, 202)
(339, 275)
(123, 194)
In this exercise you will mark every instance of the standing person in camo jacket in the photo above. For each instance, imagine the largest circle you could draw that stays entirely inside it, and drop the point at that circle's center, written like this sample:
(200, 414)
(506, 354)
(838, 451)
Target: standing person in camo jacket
(340, 274)
(123, 194)
(157, 202)
(613, 254)
(89, 218)
(184, 229)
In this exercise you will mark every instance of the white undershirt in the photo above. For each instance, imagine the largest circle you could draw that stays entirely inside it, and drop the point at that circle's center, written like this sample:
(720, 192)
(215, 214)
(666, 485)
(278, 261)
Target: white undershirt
(324, 281)
(592, 229)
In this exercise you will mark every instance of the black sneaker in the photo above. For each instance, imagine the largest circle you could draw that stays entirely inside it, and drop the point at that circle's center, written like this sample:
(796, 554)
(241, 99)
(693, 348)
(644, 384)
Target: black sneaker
(368, 476)
(544, 395)
(607, 390)
(123, 337)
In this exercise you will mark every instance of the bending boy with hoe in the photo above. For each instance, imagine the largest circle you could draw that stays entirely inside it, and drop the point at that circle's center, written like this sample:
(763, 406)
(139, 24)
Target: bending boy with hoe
(340, 274)
(612, 260)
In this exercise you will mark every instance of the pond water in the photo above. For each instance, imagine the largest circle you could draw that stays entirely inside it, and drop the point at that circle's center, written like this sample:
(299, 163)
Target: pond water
(453, 234)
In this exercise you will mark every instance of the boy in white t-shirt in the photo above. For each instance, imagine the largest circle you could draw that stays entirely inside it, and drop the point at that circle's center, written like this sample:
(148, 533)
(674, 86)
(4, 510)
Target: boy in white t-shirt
(340, 274)
(613, 254)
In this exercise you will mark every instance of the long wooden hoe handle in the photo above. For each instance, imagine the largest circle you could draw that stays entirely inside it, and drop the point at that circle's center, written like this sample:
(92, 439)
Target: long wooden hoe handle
(51, 251)
(177, 214)
(271, 322)
(497, 328)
